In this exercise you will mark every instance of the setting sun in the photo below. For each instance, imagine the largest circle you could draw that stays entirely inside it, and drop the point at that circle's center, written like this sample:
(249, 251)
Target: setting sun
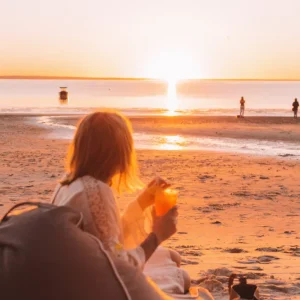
(171, 66)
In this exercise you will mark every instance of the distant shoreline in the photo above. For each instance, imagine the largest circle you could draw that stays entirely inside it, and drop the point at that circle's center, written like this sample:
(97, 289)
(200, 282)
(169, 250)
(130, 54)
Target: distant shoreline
(16, 77)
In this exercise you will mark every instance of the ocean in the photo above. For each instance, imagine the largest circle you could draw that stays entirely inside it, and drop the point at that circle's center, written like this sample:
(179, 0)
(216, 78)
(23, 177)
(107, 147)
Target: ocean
(152, 97)
(201, 97)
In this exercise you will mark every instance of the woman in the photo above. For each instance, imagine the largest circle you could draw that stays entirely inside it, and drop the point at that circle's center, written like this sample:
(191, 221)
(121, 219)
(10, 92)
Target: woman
(102, 157)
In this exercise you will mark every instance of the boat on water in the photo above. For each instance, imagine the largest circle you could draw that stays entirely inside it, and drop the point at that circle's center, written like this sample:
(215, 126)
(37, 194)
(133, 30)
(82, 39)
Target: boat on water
(63, 95)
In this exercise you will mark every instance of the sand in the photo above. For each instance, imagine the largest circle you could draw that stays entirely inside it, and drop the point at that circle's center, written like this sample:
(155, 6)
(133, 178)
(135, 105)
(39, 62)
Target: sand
(238, 213)
(259, 128)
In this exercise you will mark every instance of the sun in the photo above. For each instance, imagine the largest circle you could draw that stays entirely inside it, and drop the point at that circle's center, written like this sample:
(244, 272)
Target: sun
(171, 66)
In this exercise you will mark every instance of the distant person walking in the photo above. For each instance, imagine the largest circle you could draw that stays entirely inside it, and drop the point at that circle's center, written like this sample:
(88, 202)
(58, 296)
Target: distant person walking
(242, 107)
(295, 108)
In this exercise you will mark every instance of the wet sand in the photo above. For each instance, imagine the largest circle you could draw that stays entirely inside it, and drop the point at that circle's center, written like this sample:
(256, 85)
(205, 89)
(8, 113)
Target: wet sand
(259, 128)
(238, 213)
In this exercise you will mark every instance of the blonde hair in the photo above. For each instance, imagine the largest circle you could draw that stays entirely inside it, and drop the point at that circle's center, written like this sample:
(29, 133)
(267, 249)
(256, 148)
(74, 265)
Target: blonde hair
(103, 148)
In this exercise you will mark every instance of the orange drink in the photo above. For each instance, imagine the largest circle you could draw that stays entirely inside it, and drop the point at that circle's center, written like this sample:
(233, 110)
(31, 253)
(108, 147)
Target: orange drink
(165, 200)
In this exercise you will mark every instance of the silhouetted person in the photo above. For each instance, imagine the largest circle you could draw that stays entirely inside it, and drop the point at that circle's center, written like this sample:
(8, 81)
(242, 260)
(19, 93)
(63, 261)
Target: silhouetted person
(295, 108)
(242, 107)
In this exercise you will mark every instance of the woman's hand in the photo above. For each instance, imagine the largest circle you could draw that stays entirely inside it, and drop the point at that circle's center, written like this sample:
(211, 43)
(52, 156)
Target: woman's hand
(147, 197)
(155, 184)
(165, 226)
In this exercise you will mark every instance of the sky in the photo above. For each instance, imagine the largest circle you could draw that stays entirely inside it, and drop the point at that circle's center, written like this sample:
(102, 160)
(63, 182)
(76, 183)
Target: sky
(169, 39)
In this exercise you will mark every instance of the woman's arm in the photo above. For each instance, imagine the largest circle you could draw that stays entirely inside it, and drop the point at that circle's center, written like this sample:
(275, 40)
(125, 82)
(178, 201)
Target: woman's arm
(138, 214)
(163, 228)
(133, 222)
(149, 245)
(106, 219)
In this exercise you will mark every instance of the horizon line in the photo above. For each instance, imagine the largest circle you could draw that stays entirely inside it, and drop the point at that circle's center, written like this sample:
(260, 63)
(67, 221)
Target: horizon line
(40, 77)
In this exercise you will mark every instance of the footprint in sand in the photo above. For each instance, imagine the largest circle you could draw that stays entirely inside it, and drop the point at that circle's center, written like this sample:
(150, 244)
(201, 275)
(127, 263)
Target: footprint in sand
(265, 259)
(240, 267)
(212, 284)
(220, 272)
(185, 262)
(255, 268)
(270, 249)
(248, 261)
(255, 275)
(281, 286)
(290, 232)
(264, 177)
(293, 250)
(188, 250)
(235, 250)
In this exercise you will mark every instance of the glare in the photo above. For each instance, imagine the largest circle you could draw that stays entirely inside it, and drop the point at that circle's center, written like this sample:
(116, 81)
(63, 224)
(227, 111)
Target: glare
(172, 100)
(171, 66)
(173, 142)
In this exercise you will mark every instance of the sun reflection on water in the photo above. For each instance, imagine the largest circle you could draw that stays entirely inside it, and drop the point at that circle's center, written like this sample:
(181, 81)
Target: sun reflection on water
(172, 142)
(171, 113)
(172, 103)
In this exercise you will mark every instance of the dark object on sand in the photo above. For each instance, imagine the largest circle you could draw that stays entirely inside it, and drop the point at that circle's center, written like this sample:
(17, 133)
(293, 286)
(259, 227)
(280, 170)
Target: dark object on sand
(243, 290)
(63, 96)
(46, 254)
(216, 222)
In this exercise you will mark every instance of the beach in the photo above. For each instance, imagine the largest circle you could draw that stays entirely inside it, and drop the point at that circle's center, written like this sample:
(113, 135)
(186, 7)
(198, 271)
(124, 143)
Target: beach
(262, 128)
(239, 212)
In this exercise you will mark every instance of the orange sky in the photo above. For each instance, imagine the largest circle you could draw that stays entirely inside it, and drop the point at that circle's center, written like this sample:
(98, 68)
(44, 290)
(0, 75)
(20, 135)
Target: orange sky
(157, 38)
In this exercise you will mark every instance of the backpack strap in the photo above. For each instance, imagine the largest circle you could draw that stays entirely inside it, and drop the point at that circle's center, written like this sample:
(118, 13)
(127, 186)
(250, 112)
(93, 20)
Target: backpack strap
(55, 194)
(37, 204)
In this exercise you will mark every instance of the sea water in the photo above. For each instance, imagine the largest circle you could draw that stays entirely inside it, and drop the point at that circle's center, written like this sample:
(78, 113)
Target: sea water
(150, 96)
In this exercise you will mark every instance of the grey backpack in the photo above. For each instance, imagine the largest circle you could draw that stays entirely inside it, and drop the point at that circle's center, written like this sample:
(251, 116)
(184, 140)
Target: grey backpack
(45, 254)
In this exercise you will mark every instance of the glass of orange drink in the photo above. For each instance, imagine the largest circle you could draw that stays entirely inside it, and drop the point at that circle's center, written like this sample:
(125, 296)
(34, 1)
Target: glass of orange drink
(165, 200)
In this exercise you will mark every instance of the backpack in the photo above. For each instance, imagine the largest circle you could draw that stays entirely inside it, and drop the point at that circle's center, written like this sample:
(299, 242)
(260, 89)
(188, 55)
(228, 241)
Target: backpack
(46, 254)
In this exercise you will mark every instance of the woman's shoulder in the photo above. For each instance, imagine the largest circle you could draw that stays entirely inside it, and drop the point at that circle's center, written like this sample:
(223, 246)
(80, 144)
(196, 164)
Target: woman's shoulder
(87, 187)
(83, 182)
(91, 182)
(96, 188)
(63, 193)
